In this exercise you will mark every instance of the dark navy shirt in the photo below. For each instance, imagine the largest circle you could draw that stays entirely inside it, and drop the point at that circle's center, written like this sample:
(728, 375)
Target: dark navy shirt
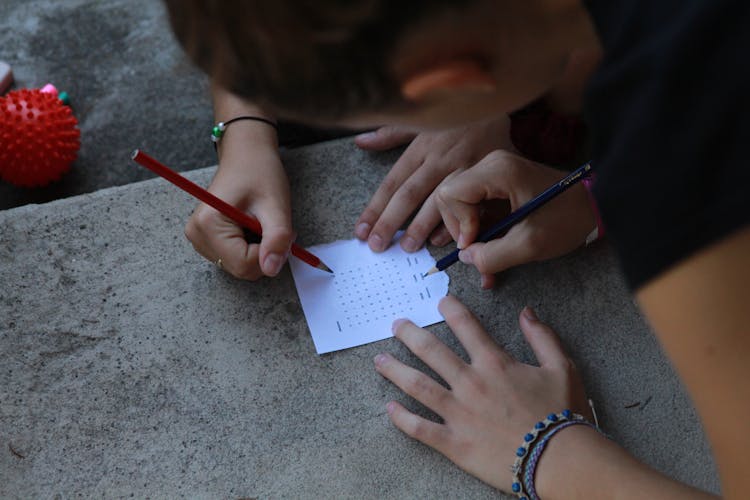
(670, 117)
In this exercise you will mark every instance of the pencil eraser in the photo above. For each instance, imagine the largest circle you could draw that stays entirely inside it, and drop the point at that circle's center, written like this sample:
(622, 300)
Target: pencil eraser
(6, 77)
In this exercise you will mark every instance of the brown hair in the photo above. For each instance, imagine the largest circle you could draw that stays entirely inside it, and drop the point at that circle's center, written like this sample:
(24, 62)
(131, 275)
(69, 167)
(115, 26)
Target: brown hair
(322, 59)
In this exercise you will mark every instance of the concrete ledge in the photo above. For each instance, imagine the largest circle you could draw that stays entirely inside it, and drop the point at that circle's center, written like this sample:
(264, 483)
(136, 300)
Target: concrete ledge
(130, 366)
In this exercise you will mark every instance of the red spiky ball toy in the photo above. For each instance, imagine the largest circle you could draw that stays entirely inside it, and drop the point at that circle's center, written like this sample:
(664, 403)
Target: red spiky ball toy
(39, 138)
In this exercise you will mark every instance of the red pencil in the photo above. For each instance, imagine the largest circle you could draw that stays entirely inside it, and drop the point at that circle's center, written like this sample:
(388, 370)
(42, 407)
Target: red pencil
(241, 218)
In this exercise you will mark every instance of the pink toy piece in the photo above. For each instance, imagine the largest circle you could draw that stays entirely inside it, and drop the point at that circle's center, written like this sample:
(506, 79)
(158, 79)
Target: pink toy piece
(49, 89)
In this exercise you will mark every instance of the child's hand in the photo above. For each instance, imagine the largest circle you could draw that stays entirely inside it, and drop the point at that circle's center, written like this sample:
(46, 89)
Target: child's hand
(429, 159)
(553, 230)
(492, 401)
(262, 191)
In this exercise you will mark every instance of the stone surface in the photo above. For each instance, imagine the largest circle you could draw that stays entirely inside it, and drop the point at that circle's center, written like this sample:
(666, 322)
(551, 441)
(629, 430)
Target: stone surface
(130, 366)
(129, 83)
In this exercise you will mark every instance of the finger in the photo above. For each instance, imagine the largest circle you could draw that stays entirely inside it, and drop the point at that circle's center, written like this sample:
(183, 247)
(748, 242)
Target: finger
(384, 138)
(449, 220)
(275, 219)
(413, 382)
(429, 349)
(499, 254)
(412, 192)
(489, 179)
(465, 326)
(214, 236)
(440, 236)
(243, 262)
(487, 281)
(430, 433)
(461, 218)
(401, 170)
(543, 340)
(421, 226)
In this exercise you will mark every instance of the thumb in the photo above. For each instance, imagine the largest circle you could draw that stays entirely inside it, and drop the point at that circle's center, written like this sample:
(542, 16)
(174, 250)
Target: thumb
(384, 138)
(278, 235)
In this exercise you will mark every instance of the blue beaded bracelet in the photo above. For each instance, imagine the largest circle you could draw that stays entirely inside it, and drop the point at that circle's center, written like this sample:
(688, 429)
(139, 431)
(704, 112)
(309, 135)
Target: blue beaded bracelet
(553, 421)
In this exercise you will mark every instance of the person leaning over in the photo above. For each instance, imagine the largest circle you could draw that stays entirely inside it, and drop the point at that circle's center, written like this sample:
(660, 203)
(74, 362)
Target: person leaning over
(667, 109)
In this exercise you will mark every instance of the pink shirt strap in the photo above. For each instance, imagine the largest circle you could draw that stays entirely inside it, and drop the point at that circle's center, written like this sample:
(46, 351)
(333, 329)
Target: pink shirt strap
(598, 231)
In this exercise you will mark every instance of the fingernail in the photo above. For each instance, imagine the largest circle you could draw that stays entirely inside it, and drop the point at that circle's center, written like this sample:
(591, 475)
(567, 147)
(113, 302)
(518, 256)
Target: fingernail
(362, 230)
(390, 406)
(376, 243)
(273, 263)
(366, 136)
(396, 324)
(465, 257)
(461, 243)
(409, 244)
(380, 359)
(529, 313)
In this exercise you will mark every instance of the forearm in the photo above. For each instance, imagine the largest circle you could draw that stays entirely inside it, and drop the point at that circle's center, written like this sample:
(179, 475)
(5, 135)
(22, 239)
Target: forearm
(249, 163)
(699, 310)
(581, 463)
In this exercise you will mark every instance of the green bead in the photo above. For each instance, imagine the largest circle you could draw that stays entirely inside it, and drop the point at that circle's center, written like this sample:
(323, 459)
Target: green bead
(217, 132)
(64, 97)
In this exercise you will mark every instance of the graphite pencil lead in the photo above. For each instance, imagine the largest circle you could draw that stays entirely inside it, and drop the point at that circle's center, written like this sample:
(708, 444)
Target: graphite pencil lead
(323, 267)
(431, 271)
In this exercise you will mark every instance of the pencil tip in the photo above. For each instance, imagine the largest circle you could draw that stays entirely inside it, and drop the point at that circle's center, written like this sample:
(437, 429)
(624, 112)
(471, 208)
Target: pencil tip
(431, 271)
(324, 268)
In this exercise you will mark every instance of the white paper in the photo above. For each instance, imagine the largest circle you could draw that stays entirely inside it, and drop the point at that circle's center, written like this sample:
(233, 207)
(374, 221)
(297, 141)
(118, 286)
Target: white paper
(368, 291)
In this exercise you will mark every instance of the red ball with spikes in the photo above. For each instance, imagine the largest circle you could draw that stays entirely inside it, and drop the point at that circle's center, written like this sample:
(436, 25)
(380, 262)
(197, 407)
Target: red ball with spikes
(39, 138)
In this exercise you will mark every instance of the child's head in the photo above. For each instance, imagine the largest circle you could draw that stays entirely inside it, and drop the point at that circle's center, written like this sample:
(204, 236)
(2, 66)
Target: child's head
(366, 62)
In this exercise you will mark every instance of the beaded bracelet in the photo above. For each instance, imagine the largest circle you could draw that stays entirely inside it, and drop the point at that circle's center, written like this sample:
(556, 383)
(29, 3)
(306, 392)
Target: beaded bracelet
(552, 421)
(533, 458)
(218, 131)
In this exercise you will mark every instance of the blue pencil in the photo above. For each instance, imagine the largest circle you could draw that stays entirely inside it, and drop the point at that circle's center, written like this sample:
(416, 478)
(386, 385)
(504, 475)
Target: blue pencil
(517, 216)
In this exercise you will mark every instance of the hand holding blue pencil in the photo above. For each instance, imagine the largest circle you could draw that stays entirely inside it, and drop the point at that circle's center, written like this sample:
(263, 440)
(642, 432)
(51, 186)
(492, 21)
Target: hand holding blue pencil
(517, 216)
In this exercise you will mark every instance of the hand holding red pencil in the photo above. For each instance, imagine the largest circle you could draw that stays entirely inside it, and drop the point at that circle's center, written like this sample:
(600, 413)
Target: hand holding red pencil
(233, 220)
(262, 190)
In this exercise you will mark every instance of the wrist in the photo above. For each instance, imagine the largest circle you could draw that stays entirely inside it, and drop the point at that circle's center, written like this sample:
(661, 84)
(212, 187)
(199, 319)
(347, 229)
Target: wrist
(535, 443)
(248, 167)
(581, 463)
(228, 106)
(567, 469)
(244, 132)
